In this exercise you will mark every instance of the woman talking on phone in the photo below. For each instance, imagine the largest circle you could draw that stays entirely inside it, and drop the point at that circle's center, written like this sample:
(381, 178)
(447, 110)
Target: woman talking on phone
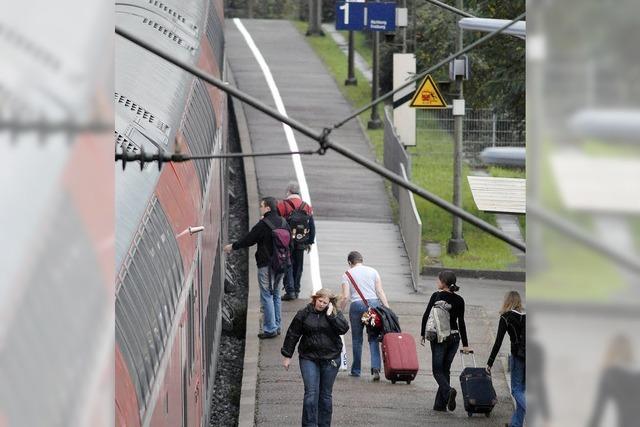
(318, 327)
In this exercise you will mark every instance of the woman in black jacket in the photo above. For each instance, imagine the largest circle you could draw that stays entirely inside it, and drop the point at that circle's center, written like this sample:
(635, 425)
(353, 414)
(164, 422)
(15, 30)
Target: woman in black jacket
(318, 327)
(443, 353)
(512, 321)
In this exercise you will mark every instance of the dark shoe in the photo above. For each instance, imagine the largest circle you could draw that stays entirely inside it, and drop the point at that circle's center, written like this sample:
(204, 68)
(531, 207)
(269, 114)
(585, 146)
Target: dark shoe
(297, 295)
(288, 297)
(278, 332)
(351, 374)
(376, 374)
(451, 401)
(440, 409)
(264, 335)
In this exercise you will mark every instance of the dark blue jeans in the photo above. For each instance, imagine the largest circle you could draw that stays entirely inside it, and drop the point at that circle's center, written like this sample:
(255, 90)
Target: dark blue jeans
(294, 272)
(318, 377)
(442, 355)
(518, 390)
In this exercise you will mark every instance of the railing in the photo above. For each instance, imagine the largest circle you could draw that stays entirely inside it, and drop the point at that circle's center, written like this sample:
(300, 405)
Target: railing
(398, 160)
(411, 229)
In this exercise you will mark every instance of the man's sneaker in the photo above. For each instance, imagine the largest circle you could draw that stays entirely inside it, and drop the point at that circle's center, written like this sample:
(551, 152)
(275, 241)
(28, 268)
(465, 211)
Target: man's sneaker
(376, 374)
(451, 401)
(288, 297)
(353, 374)
(264, 335)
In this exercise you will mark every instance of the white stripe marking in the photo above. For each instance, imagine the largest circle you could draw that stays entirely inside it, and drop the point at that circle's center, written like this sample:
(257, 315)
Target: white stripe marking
(314, 258)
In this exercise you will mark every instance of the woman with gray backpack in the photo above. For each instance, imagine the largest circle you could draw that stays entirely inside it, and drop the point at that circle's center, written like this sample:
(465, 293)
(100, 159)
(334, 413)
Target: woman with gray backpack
(513, 322)
(443, 326)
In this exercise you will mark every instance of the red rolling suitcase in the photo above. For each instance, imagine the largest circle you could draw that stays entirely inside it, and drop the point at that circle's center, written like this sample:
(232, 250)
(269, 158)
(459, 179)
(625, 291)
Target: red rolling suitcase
(400, 357)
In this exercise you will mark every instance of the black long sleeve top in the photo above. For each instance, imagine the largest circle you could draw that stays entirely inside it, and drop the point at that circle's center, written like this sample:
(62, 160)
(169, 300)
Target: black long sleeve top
(514, 318)
(260, 234)
(319, 334)
(456, 314)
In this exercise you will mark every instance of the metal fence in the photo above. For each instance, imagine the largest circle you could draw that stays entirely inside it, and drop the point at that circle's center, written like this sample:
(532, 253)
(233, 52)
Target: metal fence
(482, 128)
(394, 152)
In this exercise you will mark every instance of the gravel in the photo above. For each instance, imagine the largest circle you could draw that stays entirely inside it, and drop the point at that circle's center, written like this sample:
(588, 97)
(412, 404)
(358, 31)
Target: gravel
(225, 402)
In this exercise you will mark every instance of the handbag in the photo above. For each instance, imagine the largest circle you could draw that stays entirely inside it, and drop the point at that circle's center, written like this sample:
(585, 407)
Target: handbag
(371, 316)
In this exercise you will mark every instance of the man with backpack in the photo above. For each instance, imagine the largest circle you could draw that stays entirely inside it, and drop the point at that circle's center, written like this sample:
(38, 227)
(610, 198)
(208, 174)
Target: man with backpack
(299, 216)
(273, 237)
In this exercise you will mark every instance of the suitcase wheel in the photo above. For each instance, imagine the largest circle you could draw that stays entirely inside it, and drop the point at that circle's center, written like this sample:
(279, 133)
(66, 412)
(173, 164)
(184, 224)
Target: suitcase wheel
(470, 414)
(393, 381)
(408, 382)
(487, 414)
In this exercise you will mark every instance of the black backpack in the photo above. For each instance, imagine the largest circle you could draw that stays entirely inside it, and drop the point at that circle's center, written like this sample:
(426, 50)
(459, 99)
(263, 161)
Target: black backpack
(519, 327)
(298, 221)
(281, 239)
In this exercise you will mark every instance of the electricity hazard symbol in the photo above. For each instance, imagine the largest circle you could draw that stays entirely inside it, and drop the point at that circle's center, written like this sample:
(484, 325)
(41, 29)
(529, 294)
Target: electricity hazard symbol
(428, 95)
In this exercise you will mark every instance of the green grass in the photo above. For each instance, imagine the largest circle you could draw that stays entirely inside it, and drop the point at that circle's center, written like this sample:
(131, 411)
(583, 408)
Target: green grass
(573, 273)
(433, 172)
(432, 169)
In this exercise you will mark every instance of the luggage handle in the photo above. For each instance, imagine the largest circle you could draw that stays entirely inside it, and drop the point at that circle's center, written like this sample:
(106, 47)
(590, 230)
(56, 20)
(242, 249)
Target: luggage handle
(462, 353)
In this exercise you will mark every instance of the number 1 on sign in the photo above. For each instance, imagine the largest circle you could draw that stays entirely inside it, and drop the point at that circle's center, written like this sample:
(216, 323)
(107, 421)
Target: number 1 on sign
(345, 7)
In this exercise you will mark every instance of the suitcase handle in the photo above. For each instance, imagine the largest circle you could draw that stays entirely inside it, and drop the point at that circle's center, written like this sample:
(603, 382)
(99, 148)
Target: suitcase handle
(475, 365)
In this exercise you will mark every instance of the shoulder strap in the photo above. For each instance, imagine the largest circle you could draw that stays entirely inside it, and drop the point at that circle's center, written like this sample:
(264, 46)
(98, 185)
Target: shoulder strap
(269, 223)
(353, 282)
(290, 203)
(302, 206)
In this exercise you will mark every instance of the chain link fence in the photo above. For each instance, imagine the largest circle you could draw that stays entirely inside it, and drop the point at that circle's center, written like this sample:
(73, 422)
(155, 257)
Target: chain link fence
(482, 128)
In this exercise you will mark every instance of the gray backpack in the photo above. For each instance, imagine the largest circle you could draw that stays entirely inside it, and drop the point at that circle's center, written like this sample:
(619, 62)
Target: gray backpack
(439, 322)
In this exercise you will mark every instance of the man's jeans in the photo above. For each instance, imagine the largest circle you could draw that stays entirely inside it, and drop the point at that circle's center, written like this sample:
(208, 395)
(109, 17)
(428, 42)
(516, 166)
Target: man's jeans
(270, 299)
(318, 377)
(355, 313)
(442, 355)
(294, 272)
(518, 390)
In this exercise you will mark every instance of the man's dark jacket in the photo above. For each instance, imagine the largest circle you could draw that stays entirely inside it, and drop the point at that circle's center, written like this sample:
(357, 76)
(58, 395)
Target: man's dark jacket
(318, 333)
(261, 234)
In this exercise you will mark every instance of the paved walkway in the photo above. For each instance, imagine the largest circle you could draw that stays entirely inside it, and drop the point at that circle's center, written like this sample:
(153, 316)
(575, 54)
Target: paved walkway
(352, 212)
(343, 43)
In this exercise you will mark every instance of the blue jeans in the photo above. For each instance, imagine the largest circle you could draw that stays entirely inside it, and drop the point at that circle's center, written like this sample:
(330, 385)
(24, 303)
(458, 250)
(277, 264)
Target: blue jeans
(318, 377)
(355, 313)
(270, 299)
(518, 390)
(442, 355)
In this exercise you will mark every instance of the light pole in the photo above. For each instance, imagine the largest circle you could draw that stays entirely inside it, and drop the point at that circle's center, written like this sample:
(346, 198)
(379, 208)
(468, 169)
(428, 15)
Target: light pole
(315, 18)
(456, 244)
(351, 78)
(374, 121)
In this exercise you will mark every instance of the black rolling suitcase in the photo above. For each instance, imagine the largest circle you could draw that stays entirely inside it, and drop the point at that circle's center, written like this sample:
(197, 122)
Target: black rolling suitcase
(477, 389)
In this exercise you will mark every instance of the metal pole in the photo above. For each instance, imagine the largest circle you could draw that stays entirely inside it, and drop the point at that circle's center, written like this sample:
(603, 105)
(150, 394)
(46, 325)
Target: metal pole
(315, 18)
(323, 139)
(404, 30)
(374, 121)
(351, 78)
(456, 244)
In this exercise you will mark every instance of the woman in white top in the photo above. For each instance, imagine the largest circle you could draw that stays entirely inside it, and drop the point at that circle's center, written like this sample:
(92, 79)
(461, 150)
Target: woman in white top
(368, 280)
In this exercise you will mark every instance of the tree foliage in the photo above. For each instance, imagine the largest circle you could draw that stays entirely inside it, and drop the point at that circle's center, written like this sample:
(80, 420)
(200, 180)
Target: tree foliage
(497, 66)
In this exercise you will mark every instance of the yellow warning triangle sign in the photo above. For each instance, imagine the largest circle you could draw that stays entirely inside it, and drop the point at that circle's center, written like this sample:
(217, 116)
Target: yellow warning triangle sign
(428, 95)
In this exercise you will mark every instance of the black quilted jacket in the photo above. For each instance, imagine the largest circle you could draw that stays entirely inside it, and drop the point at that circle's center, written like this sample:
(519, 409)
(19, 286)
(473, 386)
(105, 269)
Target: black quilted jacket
(319, 334)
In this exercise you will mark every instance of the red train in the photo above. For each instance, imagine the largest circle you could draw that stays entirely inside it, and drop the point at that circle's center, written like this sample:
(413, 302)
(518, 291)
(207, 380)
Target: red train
(169, 282)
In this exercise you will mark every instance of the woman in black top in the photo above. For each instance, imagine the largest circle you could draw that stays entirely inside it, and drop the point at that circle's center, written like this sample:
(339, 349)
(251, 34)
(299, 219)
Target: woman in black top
(512, 321)
(318, 327)
(443, 353)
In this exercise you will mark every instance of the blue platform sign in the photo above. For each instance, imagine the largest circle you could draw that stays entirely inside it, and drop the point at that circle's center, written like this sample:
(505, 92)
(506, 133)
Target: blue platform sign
(381, 16)
(350, 16)
(358, 16)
